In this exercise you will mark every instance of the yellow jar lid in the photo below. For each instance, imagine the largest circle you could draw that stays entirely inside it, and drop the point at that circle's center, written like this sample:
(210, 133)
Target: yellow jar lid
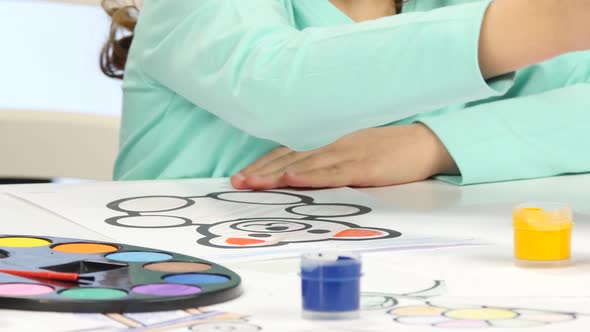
(542, 217)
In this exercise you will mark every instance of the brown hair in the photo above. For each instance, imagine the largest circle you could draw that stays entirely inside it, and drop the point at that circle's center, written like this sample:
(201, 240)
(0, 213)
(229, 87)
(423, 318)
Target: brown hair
(398, 5)
(113, 55)
(124, 13)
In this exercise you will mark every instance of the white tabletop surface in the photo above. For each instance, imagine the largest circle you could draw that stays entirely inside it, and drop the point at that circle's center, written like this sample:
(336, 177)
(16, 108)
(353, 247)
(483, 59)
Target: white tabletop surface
(482, 211)
(73, 82)
(486, 202)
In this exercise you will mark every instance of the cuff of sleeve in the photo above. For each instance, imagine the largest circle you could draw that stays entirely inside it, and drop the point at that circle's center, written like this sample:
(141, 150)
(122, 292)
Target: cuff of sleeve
(500, 151)
(469, 146)
(498, 141)
(502, 84)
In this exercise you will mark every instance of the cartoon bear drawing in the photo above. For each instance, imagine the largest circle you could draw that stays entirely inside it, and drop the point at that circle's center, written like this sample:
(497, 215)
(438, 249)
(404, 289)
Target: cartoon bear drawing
(307, 221)
(268, 232)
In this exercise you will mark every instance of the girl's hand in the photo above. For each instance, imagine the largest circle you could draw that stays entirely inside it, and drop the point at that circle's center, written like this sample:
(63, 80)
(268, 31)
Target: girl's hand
(368, 158)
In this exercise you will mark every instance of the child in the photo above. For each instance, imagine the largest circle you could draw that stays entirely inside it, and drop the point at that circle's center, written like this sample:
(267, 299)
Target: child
(210, 86)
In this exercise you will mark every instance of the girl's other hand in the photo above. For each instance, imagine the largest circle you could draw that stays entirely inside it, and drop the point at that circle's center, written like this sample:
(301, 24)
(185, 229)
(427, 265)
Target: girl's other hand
(368, 158)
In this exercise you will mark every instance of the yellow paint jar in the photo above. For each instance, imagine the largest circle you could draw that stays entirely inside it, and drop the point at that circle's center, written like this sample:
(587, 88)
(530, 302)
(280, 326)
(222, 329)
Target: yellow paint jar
(542, 232)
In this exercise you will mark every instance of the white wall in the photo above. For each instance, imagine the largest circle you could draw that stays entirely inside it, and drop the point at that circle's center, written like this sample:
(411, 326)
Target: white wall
(49, 57)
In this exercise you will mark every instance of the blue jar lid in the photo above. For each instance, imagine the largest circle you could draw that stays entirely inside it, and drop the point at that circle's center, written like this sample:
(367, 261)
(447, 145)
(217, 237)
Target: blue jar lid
(331, 266)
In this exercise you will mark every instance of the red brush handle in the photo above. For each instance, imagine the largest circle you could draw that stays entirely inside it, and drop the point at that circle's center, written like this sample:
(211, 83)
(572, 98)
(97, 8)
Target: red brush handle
(44, 274)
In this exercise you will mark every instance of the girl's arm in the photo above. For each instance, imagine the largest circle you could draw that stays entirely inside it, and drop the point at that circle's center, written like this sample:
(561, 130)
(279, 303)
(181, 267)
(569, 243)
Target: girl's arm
(519, 138)
(367, 158)
(519, 33)
(539, 135)
(244, 62)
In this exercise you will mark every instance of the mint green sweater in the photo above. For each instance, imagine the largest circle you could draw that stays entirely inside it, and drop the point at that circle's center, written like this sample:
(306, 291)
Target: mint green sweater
(212, 85)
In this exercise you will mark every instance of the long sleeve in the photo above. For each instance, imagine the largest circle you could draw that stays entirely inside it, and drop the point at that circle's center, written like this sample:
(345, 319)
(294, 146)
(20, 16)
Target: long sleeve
(245, 62)
(538, 135)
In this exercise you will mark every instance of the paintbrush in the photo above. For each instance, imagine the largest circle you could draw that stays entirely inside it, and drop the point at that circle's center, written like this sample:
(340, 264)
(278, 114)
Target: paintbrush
(63, 276)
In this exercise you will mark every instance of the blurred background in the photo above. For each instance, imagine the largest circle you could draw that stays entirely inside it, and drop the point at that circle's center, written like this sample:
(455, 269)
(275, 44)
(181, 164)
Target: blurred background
(59, 114)
(50, 56)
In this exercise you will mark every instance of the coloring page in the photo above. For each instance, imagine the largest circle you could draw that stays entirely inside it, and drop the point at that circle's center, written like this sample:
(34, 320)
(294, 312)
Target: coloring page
(391, 299)
(206, 218)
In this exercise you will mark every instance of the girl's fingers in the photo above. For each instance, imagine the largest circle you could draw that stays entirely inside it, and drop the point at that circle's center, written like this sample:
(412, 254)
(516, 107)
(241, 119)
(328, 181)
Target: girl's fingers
(254, 182)
(338, 175)
(316, 161)
(301, 162)
(238, 180)
(277, 166)
(267, 158)
(264, 183)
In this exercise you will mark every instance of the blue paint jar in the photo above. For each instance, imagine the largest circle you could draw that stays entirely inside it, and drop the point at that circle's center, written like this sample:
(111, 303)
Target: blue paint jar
(330, 285)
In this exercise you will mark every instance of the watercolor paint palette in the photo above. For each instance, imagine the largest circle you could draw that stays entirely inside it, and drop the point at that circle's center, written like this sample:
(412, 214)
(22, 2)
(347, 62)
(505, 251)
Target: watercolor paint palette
(121, 278)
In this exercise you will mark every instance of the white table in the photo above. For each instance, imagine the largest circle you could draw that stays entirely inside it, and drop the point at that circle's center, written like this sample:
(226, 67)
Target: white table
(432, 197)
(481, 211)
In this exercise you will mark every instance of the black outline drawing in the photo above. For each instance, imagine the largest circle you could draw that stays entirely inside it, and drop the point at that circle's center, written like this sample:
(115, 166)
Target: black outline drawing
(390, 303)
(233, 326)
(291, 207)
(391, 300)
(195, 319)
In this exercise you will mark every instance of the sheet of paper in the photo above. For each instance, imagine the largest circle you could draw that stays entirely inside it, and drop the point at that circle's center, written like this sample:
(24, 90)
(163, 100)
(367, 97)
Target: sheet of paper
(26, 321)
(204, 320)
(490, 271)
(208, 219)
(392, 299)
